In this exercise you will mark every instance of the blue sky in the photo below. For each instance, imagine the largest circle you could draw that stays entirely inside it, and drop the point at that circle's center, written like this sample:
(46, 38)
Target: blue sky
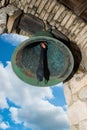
(22, 106)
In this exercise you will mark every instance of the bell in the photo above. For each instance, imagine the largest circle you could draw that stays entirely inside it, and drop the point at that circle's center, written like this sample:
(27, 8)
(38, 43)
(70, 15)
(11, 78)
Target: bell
(42, 60)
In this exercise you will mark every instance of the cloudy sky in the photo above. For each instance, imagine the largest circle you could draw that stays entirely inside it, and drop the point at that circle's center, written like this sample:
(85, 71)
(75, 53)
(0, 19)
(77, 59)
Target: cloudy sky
(25, 107)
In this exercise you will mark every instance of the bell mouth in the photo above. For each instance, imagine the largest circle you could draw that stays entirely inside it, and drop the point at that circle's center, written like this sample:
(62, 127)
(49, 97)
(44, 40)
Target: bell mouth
(25, 60)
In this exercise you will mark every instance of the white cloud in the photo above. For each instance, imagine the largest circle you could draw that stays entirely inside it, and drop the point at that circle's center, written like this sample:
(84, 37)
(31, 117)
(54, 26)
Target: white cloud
(35, 111)
(3, 125)
(12, 37)
(42, 117)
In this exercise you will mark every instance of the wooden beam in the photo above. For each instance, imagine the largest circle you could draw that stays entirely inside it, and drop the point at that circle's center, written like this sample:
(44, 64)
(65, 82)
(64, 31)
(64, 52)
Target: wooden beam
(78, 6)
(31, 24)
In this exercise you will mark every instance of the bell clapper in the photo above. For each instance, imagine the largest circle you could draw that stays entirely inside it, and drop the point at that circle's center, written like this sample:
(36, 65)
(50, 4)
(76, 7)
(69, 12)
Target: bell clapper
(42, 70)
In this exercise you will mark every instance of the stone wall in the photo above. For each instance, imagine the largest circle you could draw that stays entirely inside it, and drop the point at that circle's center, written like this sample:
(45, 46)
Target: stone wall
(57, 16)
(76, 97)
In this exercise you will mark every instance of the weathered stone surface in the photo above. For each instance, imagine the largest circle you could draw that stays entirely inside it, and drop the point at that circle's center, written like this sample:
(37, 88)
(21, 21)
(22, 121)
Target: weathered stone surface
(82, 34)
(2, 3)
(3, 20)
(26, 8)
(75, 127)
(84, 56)
(83, 94)
(11, 1)
(32, 3)
(13, 21)
(59, 12)
(41, 6)
(42, 14)
(3, 17)
(51, 6)
(37, 3)
(70, 21)
(47, 4)
(77, 112)
(77, 82)
(75, 97)
(83, 125)
(10, 9)
(68, 95)
(66, 18)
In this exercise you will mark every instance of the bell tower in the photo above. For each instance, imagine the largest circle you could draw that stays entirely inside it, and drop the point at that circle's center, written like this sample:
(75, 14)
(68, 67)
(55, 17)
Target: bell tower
(66, 23)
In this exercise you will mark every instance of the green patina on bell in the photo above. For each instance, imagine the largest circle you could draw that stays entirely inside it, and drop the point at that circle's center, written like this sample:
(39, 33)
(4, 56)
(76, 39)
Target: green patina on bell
(26, 57)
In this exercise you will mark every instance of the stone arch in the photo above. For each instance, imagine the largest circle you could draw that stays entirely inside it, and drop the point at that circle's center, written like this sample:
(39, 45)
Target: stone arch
(55, 15)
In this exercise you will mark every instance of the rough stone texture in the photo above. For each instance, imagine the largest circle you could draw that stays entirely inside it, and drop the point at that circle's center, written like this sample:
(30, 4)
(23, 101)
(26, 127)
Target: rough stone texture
(2, 3)
(68, 93)
(12, 1)
(10, 9)
(77, 112)
(84, 53)
(75, 127)
(83, 125)
(13, 21)
(77, 82)
(83, 94)
(3, 20)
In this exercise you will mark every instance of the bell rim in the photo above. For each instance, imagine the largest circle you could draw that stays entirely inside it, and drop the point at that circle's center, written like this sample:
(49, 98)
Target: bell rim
(19, 72)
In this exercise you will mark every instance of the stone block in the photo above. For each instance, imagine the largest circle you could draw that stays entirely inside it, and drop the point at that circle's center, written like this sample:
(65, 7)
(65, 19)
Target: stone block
(55, 9)
(3, 21)
(83, 94)
(37, 3)
(84, 56)
(46, 16)
(84, 43)
(75, 97)
(51, 6)
(42, 14)
(68, 95)
(11, 9)
(83, 125)
(32, 3)
(48, 4)
(2, 28)
(2, 3)
(41, 6)
(61, 17)
(13, 21)
(59, 12)
(49, 19)
(26, 8)
(66, 18)
(77, 82)
(28, 1)
(3, 16)
(33, 12)
(77, 112)
(70, 21)
(12, 1)
(74, 127)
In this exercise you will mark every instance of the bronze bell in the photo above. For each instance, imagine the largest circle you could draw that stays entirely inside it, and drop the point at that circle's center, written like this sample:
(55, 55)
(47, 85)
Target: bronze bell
(42, 60)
